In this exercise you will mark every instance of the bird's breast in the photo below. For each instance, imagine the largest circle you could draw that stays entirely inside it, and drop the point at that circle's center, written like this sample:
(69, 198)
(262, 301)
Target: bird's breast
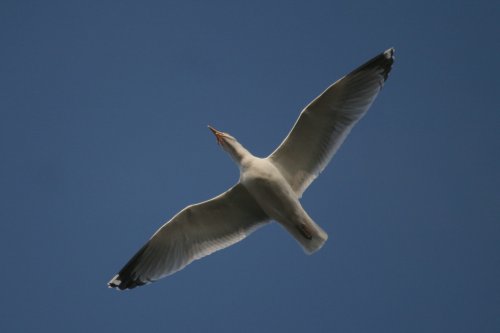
(270, 189)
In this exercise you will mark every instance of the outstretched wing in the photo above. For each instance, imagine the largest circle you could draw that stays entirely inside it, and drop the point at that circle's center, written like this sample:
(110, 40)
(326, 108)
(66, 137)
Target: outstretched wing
(196, 231)
(325, 123)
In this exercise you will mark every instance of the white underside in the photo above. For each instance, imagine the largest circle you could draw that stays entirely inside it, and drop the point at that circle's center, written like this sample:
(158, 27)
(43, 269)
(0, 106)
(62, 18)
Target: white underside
(277, 199)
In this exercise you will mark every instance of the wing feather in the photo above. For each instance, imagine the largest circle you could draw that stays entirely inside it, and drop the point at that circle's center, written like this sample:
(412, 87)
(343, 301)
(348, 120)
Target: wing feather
(195, 232)
(325, 123)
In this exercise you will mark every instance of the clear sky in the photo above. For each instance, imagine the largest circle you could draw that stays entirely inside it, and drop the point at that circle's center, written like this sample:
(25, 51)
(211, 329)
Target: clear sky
(103, 114)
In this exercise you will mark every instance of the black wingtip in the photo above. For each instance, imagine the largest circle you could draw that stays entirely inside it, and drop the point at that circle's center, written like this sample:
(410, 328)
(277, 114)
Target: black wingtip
(384, 61)
(128, 278)
(389, 60)
(121, 283)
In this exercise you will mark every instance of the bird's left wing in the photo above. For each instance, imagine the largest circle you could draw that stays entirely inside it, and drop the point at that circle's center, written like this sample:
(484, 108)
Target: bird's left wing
(325, 123)
(196, 231)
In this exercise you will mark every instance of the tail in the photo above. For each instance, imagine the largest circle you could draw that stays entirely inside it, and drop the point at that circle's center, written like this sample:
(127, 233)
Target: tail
(308, 234)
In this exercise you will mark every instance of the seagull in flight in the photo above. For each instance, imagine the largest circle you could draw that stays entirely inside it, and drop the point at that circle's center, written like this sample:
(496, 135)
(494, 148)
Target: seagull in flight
(268, 189)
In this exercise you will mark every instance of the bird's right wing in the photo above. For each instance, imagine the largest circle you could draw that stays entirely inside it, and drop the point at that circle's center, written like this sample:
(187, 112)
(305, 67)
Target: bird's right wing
(196, 231)
(325, 123)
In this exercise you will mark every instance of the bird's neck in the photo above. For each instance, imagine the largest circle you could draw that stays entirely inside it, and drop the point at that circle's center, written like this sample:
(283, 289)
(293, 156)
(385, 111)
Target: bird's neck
(238, 153)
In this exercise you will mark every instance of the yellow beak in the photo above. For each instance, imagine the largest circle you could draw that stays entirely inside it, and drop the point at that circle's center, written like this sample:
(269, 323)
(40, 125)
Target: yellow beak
(218, 135)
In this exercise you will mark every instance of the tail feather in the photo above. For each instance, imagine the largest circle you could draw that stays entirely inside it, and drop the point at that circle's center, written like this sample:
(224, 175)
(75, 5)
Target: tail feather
(308, 234)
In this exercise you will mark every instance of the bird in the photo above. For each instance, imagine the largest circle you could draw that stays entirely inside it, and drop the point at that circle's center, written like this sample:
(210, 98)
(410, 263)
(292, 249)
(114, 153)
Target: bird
(269, 189)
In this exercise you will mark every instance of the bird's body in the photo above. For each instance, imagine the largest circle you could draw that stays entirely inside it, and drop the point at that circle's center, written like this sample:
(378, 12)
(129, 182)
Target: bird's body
(268, 189)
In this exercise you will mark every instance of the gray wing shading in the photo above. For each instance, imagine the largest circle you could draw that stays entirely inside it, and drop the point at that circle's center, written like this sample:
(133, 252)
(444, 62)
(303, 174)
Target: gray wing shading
(325, 123)
(196, 231)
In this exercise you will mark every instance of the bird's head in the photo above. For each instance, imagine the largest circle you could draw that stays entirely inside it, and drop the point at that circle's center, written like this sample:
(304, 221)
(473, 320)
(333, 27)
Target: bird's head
(223, 139)
(229, 144)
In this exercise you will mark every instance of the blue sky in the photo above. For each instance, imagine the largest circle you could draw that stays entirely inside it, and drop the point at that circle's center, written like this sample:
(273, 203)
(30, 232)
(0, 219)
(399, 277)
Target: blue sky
(103, 114)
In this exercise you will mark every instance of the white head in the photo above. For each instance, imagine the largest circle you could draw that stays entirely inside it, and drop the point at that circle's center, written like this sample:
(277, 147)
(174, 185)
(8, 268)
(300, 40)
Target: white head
(230, 145)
